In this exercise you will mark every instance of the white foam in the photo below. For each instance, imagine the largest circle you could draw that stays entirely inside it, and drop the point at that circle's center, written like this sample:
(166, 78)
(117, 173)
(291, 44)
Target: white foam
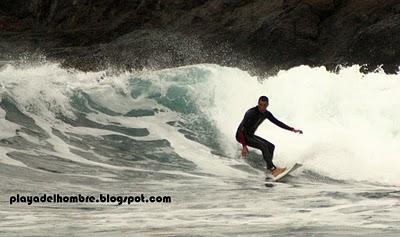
(193, 151)
(9, 161)
(8, 129)
(350, 120)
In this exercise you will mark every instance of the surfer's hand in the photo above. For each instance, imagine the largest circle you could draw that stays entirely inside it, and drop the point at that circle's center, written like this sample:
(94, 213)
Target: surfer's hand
(297, 131)
(245, 151)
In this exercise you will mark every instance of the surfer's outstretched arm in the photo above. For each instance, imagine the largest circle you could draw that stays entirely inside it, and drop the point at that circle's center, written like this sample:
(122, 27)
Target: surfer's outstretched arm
(280, 124)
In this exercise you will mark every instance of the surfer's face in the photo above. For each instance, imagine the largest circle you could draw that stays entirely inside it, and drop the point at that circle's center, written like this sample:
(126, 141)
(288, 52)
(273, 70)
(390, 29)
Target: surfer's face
(262, 106)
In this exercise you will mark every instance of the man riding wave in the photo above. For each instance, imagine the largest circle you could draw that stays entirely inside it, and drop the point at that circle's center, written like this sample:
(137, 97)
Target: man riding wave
(245, 133)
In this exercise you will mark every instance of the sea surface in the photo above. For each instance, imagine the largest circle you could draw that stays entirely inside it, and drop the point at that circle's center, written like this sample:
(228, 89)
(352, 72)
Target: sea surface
(170, 133)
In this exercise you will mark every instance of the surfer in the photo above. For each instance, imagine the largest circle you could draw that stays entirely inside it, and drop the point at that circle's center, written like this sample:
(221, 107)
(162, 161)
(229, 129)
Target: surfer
(245, 133)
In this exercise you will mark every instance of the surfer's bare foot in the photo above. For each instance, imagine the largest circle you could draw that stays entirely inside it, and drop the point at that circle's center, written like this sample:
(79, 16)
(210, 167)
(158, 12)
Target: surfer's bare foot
(278, 171)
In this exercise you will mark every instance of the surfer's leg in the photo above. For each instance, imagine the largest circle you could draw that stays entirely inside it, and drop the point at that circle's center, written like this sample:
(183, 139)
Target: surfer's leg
(271, 147)
(270, 155)
(266, 148)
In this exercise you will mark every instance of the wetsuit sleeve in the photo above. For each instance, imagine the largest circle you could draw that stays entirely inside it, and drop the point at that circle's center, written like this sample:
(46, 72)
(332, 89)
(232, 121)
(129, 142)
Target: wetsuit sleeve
(242, 138)
(278, 123)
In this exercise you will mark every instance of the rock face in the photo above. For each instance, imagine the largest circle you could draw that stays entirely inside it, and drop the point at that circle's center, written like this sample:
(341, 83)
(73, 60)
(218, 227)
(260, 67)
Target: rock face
(257, 35)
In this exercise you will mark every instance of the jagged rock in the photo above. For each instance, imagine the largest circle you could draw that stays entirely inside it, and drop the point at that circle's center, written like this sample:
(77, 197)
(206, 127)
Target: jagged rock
(254, 35)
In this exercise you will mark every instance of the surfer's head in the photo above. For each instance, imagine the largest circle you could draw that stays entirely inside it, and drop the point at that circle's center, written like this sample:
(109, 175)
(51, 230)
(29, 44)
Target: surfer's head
(263, 103)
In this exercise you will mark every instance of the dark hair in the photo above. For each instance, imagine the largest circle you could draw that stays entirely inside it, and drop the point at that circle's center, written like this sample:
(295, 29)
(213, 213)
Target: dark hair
(263, 98)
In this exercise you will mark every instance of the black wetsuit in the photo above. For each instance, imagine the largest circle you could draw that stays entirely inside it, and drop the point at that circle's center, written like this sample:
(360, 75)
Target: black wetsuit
(245, 133)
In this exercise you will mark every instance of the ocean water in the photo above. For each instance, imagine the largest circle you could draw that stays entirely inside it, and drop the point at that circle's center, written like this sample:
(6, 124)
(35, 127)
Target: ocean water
(171, 133)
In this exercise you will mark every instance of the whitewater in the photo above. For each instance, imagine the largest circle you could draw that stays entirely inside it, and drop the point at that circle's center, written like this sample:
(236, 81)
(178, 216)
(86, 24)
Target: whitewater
(172, 132)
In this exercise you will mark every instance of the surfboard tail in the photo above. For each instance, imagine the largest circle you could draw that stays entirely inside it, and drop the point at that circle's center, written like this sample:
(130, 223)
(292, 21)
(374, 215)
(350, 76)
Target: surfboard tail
(286, 172)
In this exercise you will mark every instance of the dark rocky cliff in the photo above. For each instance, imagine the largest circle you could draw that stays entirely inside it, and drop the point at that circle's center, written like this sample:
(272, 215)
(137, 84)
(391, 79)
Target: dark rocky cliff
(255, 35)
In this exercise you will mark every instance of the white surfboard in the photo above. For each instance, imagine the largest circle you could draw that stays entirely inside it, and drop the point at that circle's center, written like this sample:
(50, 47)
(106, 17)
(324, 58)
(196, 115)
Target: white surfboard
(286, 172)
